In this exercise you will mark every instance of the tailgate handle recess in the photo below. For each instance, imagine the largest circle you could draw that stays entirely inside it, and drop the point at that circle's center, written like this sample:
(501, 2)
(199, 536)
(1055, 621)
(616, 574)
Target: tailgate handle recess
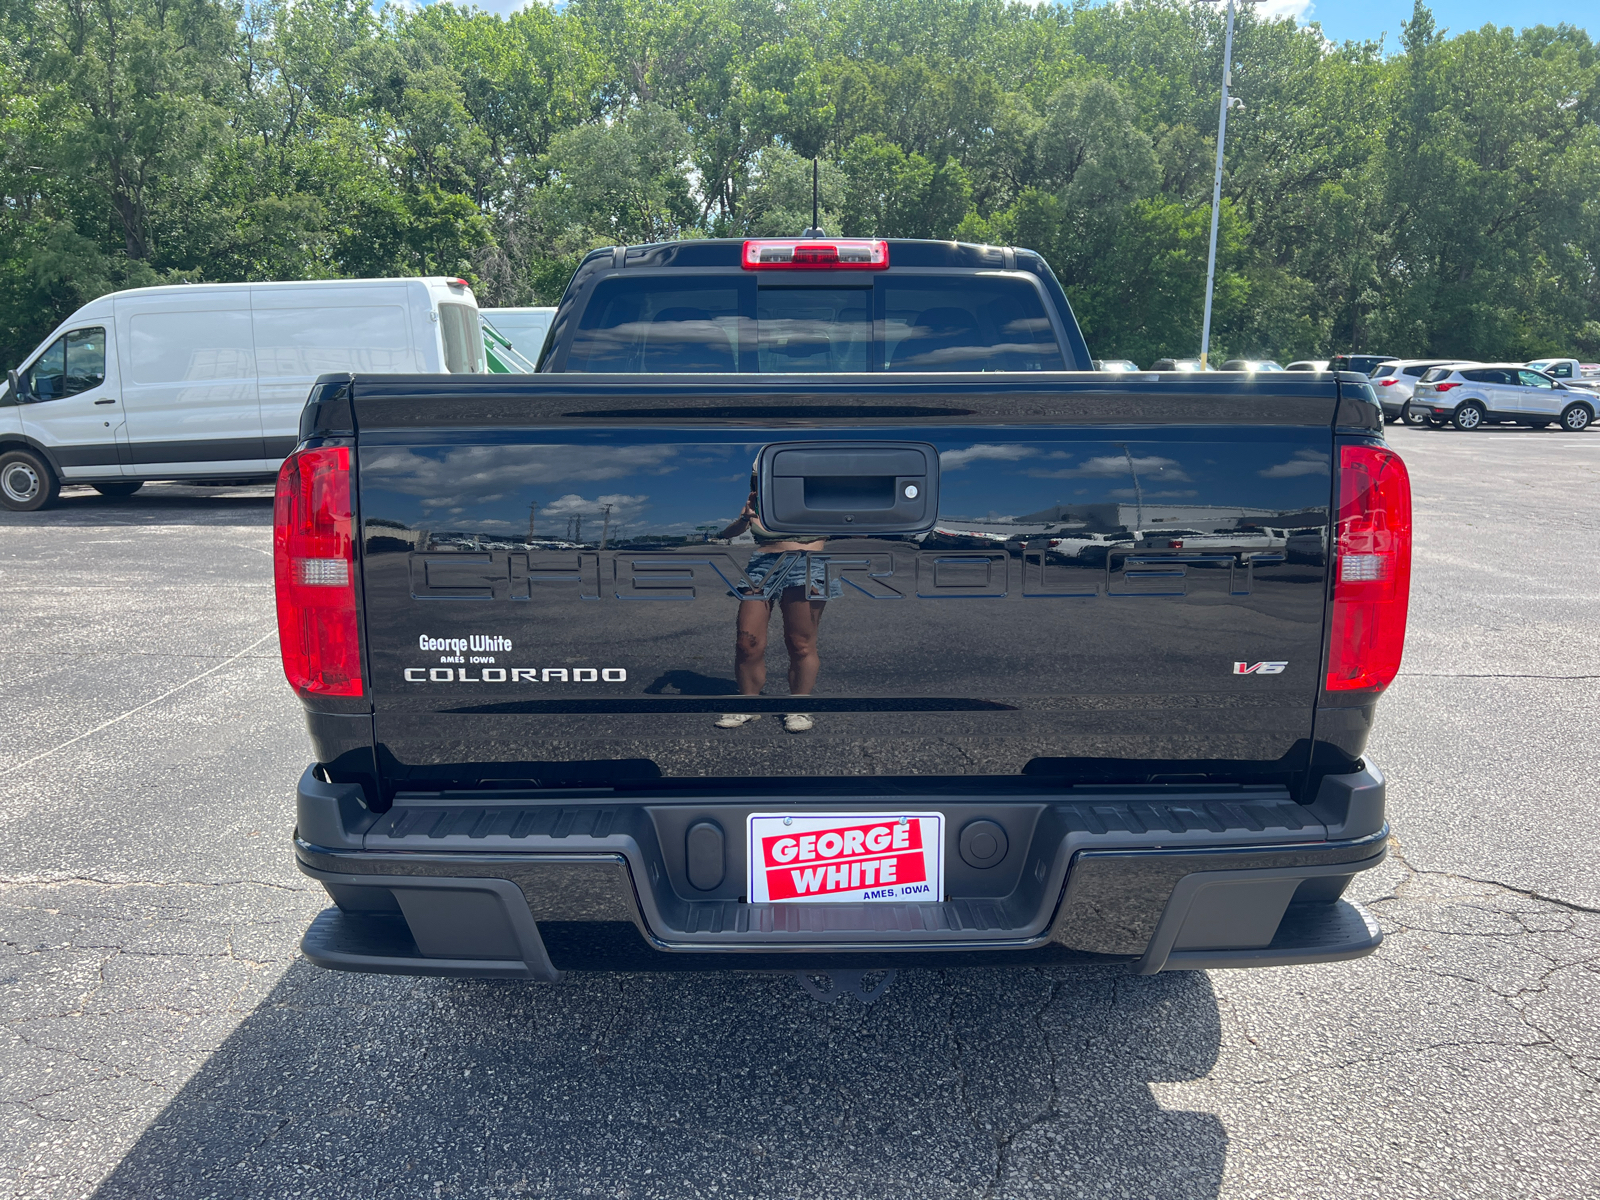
(848, 487)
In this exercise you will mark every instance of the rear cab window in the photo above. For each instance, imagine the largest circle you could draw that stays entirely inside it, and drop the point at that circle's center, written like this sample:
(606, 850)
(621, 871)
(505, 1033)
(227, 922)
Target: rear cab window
(725, 323)
(665, 324)
(979, 323)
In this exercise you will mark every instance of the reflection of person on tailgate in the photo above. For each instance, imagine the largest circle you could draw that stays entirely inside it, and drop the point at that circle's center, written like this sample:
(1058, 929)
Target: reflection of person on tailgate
(804, 594)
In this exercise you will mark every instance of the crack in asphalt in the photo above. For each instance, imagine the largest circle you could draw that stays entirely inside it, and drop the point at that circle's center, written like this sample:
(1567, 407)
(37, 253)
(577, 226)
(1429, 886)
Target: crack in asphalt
(1414, 873)
(1541, 1036)
(88, 733)
(1052, 1105)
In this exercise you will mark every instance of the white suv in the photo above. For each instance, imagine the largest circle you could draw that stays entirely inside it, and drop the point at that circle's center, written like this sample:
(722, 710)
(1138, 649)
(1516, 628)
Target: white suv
(1395, 380)
(1472, 396)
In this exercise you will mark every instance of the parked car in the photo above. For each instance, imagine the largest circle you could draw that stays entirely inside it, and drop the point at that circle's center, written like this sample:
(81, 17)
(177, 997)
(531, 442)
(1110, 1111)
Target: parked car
(1395, 381)
(524, 328)
(206, 381)
(1251, 364)
(1470, 397)
(1309, 364)
(1360, 363)
(1584, 376)
(1115, 364)
(1180, 364)
(500, 787)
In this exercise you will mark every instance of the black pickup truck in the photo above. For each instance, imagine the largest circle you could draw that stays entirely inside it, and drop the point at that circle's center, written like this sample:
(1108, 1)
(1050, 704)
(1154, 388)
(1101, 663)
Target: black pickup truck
(1064, 666)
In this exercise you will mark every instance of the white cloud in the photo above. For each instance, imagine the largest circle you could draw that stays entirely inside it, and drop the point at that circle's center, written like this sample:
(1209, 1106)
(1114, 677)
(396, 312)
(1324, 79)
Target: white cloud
(1305, 462)
(483, 474)
(1274, 10)
(623, 508)
(955, 460)
(1151, 469)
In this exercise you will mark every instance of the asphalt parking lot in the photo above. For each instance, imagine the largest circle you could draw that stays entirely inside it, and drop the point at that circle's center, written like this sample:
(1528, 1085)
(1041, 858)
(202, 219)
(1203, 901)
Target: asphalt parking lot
(162, 1038)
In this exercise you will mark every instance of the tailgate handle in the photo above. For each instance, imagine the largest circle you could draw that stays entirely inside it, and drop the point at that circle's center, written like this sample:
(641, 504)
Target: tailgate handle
(848, 487)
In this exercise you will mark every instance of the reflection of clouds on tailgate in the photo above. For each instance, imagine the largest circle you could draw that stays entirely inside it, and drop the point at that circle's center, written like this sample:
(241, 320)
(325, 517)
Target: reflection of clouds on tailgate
(483, 474)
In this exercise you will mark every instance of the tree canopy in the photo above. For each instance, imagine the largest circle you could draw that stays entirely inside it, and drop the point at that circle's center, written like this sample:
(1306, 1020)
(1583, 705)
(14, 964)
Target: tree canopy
(1438, 196)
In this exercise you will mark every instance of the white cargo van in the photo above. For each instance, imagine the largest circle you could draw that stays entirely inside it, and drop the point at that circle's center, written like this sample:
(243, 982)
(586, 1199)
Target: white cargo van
(206, 381)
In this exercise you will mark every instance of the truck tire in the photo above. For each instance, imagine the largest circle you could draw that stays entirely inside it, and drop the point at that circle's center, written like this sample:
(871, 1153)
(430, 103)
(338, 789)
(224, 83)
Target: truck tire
(1469, 416)
(118, 491)
(1575, 418)
(27, 483)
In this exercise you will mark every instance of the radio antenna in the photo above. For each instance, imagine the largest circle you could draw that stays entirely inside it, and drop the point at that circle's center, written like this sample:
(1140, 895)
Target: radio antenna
(816, 224)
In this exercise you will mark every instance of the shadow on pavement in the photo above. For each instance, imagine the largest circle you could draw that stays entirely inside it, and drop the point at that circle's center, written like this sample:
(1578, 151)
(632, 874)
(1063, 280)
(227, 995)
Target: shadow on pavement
(995, 1082)
(153, 504)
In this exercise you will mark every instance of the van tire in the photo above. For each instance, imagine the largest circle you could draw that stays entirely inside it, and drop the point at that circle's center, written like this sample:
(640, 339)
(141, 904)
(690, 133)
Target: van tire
(1469, 416)
(1575, 418)
(119, 490)
(27, 483)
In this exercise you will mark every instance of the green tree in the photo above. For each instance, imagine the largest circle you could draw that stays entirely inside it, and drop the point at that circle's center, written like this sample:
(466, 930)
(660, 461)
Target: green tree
(889, 193)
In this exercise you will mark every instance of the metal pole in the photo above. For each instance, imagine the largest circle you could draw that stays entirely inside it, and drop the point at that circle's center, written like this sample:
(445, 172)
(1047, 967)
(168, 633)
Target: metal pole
(1216, 187)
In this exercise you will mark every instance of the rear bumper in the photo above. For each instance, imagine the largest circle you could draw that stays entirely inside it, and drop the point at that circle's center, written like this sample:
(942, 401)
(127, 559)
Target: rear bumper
(524, 887)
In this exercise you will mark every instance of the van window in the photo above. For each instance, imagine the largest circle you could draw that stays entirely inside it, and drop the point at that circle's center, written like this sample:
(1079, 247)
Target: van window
(463, 340)
(47, 377)
(965, 323)
(190, 347)
(661, 325)
(73, 363)
(297, 342)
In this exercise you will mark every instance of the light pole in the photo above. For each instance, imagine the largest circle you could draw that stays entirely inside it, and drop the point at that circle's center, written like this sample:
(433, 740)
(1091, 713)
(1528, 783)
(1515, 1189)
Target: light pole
(1216, 185)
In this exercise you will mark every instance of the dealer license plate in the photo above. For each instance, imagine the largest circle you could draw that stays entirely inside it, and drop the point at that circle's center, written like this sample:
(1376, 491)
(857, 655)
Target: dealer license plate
(825, 858)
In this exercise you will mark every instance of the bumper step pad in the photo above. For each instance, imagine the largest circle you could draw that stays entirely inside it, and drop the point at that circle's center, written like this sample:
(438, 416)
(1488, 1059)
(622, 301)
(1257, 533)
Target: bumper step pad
(1308, 933)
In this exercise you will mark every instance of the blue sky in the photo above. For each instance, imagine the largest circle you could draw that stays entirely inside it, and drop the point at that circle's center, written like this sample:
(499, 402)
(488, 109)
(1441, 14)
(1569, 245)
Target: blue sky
(1343, 19)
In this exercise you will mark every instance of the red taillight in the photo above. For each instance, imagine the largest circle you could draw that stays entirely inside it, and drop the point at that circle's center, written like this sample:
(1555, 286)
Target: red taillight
(314, 563)
(797, 254)
(1372, 565)
(1387, 382)
(1445, 387)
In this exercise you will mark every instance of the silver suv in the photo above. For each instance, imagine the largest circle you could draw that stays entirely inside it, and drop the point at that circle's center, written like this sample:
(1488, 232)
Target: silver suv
(1471, 396)
(1395, 380)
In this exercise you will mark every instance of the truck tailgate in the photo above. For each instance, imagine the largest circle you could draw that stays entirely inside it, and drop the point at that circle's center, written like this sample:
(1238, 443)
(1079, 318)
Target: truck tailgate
(1125, 581)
